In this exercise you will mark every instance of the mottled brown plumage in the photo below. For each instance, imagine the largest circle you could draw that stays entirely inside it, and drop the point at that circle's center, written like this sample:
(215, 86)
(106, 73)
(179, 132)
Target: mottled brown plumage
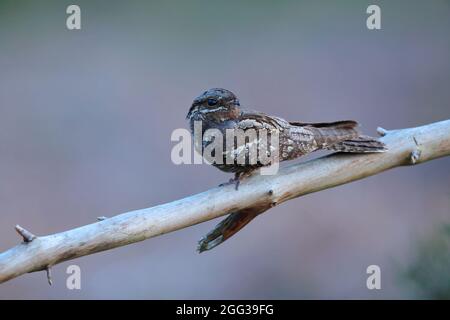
(220, 109)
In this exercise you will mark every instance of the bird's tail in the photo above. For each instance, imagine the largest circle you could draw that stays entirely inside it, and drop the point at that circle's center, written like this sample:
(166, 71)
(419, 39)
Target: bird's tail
(329, 133)
(360, 144)
(228, 227)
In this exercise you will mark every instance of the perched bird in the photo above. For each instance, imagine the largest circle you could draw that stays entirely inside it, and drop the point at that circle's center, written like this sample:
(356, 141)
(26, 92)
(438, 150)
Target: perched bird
(220, 109)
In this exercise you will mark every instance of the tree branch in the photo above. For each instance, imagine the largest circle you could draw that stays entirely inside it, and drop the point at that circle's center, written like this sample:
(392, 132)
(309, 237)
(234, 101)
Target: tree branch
(406, 147)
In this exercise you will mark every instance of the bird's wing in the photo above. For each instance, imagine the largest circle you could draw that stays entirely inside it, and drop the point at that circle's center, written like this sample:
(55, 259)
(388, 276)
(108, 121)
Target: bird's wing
(248, 129)
(259, 120)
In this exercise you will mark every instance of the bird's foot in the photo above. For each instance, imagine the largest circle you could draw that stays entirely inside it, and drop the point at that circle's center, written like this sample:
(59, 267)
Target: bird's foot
(236, 180)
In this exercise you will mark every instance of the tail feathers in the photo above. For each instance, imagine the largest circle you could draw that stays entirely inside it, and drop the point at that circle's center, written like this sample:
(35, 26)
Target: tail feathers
(327, 134)
(345, 124)
(361, 144)
(227, 228)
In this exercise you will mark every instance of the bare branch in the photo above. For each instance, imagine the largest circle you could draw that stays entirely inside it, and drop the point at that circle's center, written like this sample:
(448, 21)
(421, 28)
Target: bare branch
(381, 131)
(406, 147)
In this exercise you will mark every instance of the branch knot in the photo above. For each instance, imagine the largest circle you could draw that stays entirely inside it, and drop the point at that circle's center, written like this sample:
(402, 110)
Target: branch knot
(415, 155)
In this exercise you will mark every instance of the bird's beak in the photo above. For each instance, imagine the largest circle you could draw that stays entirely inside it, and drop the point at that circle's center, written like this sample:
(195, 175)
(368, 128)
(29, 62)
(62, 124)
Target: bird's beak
(191, 110)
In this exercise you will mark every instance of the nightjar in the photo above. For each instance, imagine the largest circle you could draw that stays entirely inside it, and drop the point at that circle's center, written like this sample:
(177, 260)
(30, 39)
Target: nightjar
(220, 109)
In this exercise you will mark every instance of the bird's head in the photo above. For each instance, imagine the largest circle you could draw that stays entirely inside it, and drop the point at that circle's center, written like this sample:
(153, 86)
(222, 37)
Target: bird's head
(215, 104)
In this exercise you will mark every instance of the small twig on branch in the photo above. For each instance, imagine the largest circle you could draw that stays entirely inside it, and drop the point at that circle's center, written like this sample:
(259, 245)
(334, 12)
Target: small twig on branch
(36, 254)
(26, 235)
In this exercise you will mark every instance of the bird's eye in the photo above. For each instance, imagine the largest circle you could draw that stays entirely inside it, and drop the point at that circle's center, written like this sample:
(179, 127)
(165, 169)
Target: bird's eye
(212, 102)
(236, 102)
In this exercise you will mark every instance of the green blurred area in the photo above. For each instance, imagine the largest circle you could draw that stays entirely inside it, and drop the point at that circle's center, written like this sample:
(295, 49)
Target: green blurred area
(429, 271)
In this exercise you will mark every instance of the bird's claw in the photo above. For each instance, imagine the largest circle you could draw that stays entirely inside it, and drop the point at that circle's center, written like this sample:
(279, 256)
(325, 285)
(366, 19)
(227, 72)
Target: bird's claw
(236, 181)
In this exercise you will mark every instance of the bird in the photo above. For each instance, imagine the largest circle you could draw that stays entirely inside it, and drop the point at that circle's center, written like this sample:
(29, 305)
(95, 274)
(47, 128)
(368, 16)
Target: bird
(220, 110)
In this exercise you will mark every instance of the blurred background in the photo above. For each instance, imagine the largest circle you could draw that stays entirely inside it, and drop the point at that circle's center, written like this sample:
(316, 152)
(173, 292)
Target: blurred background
(86, 118)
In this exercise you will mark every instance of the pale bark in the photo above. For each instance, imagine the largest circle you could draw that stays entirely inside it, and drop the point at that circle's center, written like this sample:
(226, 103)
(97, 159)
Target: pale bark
(406, 147)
